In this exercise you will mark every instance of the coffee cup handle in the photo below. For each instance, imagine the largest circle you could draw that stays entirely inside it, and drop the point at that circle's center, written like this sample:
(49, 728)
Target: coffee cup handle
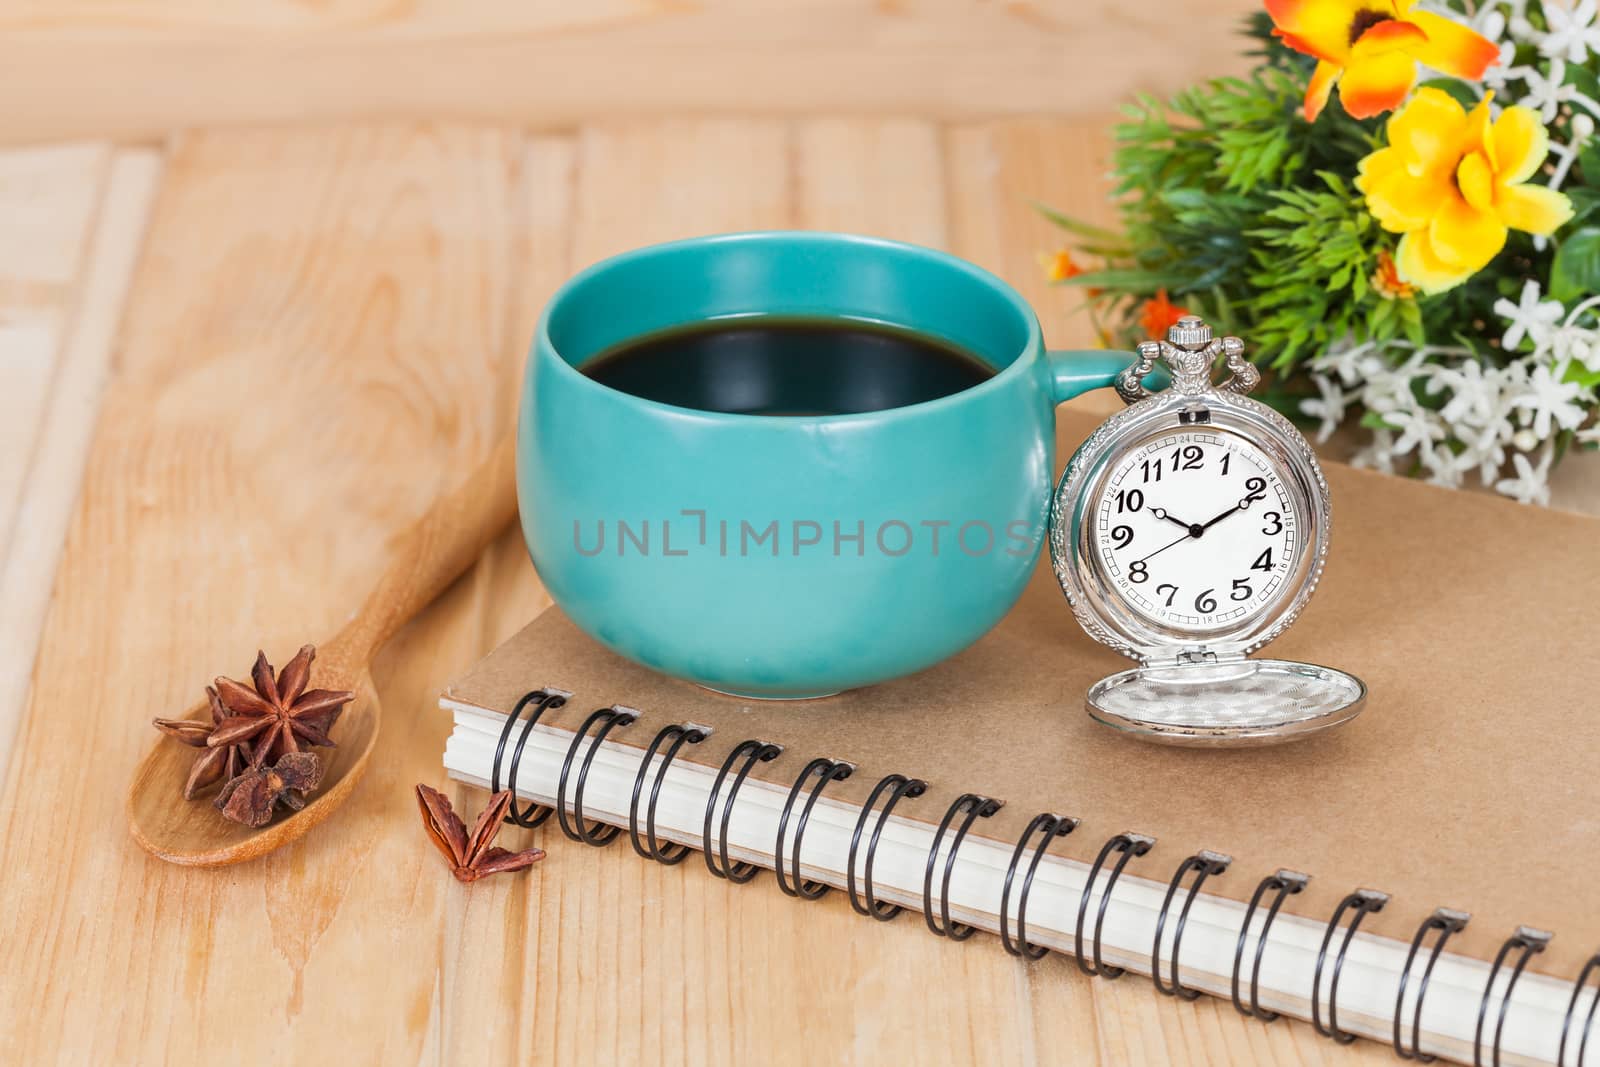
(1072, 373)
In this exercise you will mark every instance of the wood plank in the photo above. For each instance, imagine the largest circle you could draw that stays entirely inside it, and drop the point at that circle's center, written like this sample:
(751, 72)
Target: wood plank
(48, 200)
(314, 348)
(997, 173)
(136, 68)
(88, 273)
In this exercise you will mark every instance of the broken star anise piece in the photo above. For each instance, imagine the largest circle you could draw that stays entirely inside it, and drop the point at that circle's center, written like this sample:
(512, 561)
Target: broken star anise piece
(471, 857)
(253, 797)
(279, 714)
(212, 765)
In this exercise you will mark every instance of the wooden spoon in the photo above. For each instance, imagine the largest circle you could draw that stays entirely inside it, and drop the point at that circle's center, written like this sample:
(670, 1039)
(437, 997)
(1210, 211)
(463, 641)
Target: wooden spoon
(443, 543)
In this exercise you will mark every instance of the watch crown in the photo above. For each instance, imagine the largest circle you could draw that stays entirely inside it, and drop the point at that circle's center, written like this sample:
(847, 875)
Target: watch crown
(1189, 330)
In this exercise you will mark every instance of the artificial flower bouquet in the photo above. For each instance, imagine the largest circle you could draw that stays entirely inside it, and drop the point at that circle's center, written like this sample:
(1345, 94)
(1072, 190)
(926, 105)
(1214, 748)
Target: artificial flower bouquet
(1399, 208)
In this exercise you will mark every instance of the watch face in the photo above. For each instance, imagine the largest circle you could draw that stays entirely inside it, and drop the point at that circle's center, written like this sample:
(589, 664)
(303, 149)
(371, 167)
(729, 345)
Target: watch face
(1196, 530)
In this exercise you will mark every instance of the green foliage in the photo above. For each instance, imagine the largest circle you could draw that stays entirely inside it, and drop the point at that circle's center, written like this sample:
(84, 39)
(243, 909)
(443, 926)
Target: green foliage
(1244, 212)
(1575, 274)
(1315, 253)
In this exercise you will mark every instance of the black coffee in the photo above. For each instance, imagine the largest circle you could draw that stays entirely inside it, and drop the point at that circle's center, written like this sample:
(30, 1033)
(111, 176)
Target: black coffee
(788, 366)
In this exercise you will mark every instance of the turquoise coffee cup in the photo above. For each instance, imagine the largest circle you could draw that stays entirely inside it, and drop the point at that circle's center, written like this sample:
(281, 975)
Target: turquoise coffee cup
(783, 556)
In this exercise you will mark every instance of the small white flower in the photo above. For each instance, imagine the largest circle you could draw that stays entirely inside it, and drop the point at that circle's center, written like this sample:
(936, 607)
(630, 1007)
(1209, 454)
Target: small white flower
(1577, 344)
(1418, 428)
(1529, 317)
(1524, 440)
(1489, 21)
(1531, 485)
(1547, 399)
(1329, 407)
(1572, 33)
(1443, 465)
(1353, 364)
(1378, 454)
(1472, 395)
(1547, 91)
(1487, 449)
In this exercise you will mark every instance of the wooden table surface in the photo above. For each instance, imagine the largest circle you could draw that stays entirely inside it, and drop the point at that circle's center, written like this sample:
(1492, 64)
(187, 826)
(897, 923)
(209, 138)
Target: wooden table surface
(232, 367)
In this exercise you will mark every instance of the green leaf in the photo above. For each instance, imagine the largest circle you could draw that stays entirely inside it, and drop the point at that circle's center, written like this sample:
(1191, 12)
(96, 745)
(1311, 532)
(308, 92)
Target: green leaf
(1583, 376)
(1575, 273)
(1458, 89)
(1079, 227)
(1372, 420)
(1135, 281)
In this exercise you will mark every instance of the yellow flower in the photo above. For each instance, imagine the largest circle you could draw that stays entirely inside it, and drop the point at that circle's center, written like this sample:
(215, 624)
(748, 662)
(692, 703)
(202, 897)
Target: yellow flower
(1453, 184)
(1374, 47)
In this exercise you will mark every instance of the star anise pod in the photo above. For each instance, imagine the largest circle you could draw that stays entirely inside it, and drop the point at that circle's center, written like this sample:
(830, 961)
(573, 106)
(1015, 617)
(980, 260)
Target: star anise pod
(253, 797)
(471, 858)
(212, 764)
(279, 714)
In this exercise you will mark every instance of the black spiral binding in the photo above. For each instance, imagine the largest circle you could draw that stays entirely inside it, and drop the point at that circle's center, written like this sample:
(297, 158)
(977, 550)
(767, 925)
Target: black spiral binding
(1364, 902)
(543, 700)
(1129, 845)
(1048, 826)
(1205, 864)
(1526, 941)
(680, 734)
(825, 770)
(599, 834)
(976, 807)
(752, 752)
(1447, 922)
(899, 787)
(1531, 942)
(1285, 884)
(1592, 967)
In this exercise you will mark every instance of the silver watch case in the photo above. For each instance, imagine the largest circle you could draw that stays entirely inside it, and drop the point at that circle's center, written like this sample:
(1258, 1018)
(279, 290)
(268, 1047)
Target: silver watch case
(1189, 688)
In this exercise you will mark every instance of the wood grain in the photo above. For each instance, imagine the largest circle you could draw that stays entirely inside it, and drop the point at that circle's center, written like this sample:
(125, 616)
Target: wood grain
(77, 216)
(136, 68)
(332, 322)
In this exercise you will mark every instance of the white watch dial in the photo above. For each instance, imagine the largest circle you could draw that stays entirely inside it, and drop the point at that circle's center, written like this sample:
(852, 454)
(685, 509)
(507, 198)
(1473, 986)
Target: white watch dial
(1196, 530)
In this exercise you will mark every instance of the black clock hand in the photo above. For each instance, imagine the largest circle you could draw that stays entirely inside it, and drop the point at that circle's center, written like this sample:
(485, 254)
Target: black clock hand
(1240, 506)
(1164, 547)
(1163, 514)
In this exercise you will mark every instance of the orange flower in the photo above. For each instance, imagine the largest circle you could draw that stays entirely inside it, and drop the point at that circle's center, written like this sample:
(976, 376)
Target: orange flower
(1374, 46)
(1059, 266)
(1387, 281)
(1158, 314)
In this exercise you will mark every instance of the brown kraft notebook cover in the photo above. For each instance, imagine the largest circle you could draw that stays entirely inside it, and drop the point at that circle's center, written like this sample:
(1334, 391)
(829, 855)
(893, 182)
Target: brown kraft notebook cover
(1470, 781)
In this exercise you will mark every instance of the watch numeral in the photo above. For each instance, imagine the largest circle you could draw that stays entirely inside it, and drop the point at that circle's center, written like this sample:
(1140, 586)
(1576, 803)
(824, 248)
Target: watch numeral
(1129, 500)
(1255, 489)
(1122, 535)
(1148, 469)
(1226, 456)
(1189, 458)
(1171, 589)
(1138, 572)
(1241, 590)
(1264, 561)
(1205, 603)
(1274, 523)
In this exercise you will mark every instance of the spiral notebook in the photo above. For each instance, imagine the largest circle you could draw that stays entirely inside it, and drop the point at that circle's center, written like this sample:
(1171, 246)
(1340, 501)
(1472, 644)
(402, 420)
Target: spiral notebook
(1427, 876)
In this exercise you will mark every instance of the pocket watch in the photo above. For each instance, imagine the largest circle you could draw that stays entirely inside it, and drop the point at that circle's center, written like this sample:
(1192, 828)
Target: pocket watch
(1188, 531)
